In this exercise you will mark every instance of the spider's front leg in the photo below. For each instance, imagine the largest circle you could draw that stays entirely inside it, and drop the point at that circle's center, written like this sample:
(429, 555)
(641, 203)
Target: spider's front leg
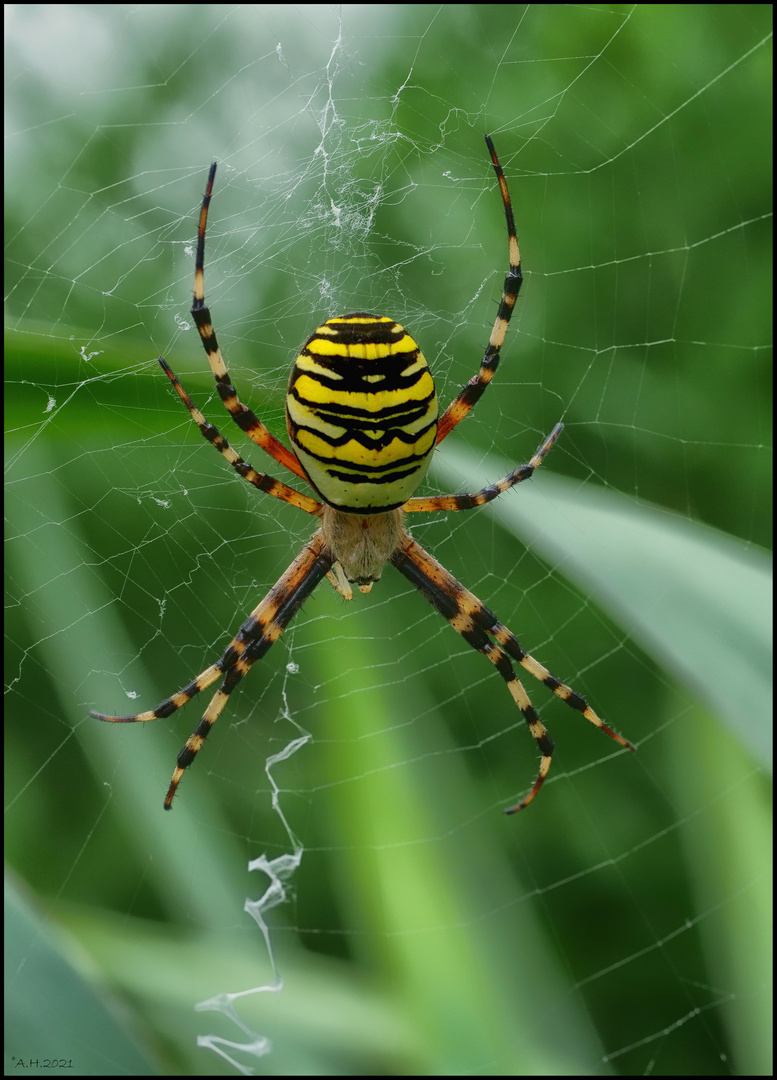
(255, 637)
(477, 625)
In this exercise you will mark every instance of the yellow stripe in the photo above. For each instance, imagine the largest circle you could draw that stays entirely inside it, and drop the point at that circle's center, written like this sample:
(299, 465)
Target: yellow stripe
(317, 393)
(362, 350)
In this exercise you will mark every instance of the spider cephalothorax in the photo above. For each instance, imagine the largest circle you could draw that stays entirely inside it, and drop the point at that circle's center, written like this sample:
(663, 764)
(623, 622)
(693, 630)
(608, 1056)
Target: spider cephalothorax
(361, 412)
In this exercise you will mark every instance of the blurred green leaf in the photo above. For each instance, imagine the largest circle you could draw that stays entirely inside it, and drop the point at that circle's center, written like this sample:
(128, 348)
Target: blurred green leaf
(57, 1017)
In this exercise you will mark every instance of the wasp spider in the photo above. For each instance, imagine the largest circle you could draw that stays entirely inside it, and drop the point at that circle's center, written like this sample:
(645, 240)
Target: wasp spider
(361, 413)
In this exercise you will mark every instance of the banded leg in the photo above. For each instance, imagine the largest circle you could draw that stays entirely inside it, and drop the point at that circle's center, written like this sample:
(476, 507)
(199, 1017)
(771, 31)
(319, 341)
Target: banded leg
(215, 438)
(477, 625)
(258, 633)
(476, 386)
(246, 420)
(486, 494)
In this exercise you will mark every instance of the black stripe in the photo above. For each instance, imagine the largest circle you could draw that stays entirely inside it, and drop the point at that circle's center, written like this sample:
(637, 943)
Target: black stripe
(354, 374)
(378, 332)
(365, 476)
(357, 435)
(338, 413)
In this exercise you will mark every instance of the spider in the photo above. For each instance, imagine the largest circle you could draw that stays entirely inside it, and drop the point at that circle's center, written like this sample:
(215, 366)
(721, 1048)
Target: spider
(361, 414)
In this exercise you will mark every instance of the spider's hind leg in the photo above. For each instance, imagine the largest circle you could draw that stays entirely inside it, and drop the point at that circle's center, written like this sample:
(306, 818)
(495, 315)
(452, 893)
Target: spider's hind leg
(245, 419)
(471, 394)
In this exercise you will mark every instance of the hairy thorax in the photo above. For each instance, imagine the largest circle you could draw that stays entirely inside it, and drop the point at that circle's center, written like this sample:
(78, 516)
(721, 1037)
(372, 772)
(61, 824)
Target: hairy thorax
(361, 544)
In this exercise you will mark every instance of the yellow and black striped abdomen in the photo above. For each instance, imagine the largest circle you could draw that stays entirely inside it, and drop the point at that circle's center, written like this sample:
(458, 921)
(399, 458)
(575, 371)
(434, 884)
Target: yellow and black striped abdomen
(361, 410)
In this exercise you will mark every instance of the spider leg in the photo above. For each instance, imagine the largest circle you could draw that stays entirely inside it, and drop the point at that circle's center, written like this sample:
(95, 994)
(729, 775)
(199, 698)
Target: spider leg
(215, 438)
(246, 420)
(486, 494)
(477, 625)
(473, 391)
(258, 633)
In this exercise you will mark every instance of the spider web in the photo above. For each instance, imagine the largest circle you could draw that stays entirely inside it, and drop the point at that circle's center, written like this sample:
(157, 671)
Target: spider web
(621, 923)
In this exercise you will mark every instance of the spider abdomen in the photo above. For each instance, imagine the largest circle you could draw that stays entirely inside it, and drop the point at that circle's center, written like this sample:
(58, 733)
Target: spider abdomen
(361, 412)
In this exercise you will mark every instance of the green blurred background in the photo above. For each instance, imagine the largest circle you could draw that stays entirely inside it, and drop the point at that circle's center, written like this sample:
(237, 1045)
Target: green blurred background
(621, 924)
